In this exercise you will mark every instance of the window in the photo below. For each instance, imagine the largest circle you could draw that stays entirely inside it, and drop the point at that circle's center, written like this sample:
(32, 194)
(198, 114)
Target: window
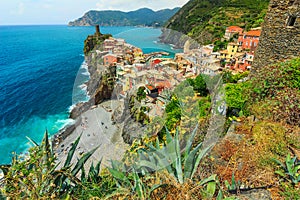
(291, 21)
(255, 44)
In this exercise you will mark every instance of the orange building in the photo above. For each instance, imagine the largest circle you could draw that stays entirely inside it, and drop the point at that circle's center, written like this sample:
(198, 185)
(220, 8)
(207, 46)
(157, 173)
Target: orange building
(245, 62)
(109, 59)
(249, 40)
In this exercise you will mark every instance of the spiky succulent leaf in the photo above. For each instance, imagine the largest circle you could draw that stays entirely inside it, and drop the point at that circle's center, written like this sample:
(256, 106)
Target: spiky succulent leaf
(190, 142)
(32, 141)
(209, 179)
(71, 152)
(80, 163)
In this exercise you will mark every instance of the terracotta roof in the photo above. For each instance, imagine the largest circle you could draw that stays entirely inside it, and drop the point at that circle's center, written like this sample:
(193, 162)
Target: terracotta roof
(150, 87)
(234, 28)
(254, 33)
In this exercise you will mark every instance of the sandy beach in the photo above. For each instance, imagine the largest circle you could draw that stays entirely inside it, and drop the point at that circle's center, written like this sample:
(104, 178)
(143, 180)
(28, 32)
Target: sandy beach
(97, 130)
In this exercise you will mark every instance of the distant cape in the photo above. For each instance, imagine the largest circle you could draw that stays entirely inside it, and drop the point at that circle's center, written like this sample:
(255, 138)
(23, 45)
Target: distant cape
(140, 17)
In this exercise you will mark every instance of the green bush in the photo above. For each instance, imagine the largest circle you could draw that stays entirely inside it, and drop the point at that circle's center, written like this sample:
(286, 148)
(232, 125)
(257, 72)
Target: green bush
(228, 77)
(204, 106)
(237, 96)
(199, 85)
(269, 81)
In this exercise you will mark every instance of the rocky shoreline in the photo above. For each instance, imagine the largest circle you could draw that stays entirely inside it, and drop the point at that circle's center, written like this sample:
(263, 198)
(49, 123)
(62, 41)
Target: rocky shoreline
(92, 85)
(93, 120)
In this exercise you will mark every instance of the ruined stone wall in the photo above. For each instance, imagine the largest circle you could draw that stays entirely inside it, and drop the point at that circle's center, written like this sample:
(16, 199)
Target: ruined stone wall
(279, 39)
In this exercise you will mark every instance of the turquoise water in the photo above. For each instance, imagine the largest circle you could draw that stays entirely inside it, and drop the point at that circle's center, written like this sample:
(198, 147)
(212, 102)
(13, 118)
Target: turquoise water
(41, 77)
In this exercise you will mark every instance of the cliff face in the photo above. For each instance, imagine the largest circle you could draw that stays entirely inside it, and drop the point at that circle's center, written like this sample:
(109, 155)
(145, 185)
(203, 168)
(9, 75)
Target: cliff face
(280, 38)
(101, 84)
(142, 16)
(206, 20)
(100, 87)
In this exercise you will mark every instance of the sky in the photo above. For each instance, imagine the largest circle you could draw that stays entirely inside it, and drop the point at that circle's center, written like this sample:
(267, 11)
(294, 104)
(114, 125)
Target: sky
(25, 12)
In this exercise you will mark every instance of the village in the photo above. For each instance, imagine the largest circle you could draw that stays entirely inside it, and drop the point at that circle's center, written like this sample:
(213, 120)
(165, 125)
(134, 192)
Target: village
(156, 72)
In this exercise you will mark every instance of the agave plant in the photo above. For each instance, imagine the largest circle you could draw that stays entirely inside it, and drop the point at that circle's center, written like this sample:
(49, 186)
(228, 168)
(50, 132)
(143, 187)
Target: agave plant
(38, 176)
(181, 163)
(129, 181)
(290, 170)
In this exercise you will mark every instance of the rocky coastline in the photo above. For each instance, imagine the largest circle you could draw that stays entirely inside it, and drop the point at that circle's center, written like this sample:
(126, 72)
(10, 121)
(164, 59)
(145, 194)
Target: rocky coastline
(93, 120)
(96, 97)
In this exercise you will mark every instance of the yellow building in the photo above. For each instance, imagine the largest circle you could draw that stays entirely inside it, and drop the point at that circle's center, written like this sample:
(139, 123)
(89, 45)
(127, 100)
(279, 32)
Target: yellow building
(230, 52)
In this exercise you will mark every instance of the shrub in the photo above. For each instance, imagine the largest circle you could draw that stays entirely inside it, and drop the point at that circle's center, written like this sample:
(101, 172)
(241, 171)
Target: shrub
(237, 96)
(38, 177)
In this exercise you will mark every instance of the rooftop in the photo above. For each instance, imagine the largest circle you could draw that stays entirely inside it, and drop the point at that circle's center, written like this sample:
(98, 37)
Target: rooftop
(231, 28)
(253, 33)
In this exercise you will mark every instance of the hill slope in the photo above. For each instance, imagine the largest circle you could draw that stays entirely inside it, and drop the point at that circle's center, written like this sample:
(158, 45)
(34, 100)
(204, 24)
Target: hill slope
(206, 20)
(143, 16)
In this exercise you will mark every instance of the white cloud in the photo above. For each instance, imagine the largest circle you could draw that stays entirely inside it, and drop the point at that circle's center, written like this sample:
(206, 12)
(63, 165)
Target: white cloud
(19, 10)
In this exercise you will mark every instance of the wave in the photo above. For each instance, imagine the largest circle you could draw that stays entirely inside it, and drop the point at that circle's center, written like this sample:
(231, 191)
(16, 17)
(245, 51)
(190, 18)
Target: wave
(83, 87)
(61, 123)
(86, 73)
(71, 108)
(84, 65)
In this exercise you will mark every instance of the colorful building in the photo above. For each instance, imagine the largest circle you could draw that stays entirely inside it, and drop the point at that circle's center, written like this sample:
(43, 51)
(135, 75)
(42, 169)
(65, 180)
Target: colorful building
(245, 62)
(249, 40)
(230, 52)
(231, 30)
(110, 59)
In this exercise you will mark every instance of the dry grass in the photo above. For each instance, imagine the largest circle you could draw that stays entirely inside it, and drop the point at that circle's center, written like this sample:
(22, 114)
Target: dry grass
(174, 190)
(250, 158)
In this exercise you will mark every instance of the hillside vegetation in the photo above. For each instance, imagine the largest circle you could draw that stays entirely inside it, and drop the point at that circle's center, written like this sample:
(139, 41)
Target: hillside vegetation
(206, 20)
(141, 17)
(259, 158)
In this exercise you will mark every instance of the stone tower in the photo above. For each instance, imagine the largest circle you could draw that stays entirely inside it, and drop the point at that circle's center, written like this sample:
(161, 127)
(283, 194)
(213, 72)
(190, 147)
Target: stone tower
(280, 38)
(97, 30)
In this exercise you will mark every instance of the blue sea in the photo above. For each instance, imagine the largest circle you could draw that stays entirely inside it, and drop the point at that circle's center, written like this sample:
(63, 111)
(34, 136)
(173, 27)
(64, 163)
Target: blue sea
(42, 72)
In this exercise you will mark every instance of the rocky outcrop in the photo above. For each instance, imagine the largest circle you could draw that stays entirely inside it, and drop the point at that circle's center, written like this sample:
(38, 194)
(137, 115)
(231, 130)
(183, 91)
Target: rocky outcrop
(93, 41)
(106, 87)
(100, 88)
(102, 79)
(173, 37)
(280, 38)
